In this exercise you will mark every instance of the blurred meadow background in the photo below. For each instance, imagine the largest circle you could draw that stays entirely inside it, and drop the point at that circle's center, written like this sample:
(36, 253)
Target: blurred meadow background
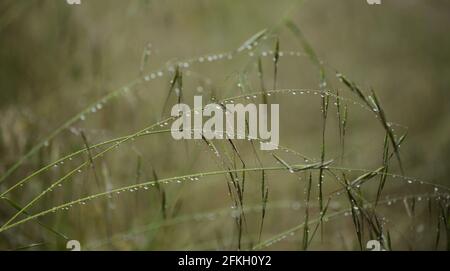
(85, 151)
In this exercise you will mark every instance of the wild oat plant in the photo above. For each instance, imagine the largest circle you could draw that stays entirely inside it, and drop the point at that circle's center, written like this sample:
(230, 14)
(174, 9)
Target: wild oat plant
(227, 194)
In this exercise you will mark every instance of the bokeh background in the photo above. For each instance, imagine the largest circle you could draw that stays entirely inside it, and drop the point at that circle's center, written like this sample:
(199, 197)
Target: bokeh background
(57, 59)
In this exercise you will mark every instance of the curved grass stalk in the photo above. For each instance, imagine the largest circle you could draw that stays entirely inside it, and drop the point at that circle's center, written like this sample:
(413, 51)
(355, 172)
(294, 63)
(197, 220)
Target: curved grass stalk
(183, 178)
(9, 225)
(249, 42)
(71, 173)
(405, 178)
(71, 156)
(64, 126)
(122, 140)
(106, 98)
(146, 130)
(115, 140)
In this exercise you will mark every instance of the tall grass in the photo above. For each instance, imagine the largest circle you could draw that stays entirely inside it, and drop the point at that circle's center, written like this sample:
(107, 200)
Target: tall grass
(352, 195)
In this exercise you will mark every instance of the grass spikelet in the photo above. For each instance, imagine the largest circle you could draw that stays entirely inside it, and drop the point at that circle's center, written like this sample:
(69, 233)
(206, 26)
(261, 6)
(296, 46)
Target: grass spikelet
(176, 85)
(91, 160)
(162, 195)
(305, 242)
(276, 59)
(261, 80)
(384, 175)
(388, 129)
(264, 200)
(251, 41)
